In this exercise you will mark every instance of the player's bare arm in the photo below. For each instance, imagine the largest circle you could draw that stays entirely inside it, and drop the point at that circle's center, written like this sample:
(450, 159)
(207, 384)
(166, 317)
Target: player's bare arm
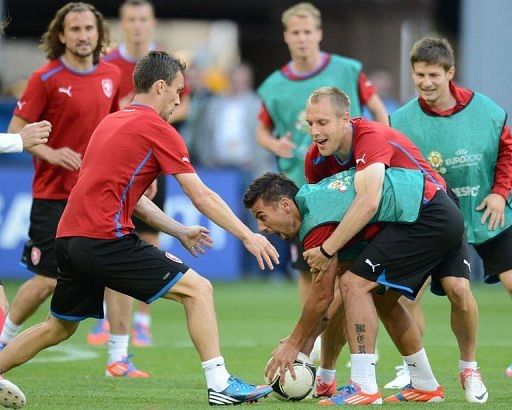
(377, 109)
(368, 186)
(213, 206)
(281, 147)
(63, 157)
(309, 326)
(193, 238)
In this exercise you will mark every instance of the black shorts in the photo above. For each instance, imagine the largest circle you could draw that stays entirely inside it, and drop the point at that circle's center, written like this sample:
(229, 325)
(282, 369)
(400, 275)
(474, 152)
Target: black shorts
(296, 256)
(158, 200)
(127, 265)
(402, 256)
(496, 254)
(39, 251)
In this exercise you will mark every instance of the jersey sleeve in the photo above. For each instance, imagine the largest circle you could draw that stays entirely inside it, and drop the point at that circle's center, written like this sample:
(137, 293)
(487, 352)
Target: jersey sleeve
(265, 118)
(172, 153)
(317, 236)
(366, 88)
(371, 147)
(503, 170)
(33, 101)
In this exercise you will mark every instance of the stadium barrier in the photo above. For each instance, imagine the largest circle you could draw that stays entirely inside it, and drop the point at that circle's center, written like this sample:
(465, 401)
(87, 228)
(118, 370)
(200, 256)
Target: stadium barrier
(222, 262)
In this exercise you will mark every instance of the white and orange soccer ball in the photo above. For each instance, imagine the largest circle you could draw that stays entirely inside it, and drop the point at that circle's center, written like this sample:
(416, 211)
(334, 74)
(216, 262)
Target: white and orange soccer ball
(285, 388)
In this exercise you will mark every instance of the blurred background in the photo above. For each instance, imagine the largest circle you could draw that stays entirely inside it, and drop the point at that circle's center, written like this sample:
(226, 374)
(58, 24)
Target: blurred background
(230, 46)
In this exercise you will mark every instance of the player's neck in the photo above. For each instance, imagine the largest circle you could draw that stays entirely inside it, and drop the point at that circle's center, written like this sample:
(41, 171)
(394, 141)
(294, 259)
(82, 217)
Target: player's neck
(137, 50)
(345, 147)
(78, 63)
(307, 64)
(443, 103)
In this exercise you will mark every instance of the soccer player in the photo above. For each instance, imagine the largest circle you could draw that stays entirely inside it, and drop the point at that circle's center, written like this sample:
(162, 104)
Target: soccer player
(464, 136)
(96, 246)
(75, 90)
(283, 131)
(417, 238)
(137, 23)
(339, 143)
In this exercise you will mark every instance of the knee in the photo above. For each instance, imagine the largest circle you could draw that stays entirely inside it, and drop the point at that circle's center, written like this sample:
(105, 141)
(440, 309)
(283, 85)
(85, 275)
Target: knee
(351, 284)
(460, 294)
(204, 288)
(44, 287)
(60, 329)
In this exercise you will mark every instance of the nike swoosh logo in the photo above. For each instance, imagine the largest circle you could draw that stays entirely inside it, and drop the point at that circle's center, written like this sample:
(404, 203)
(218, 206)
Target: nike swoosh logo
(482, 396)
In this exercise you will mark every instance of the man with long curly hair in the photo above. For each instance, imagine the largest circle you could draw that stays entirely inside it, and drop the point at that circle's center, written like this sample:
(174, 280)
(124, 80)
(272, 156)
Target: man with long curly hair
(74, 91)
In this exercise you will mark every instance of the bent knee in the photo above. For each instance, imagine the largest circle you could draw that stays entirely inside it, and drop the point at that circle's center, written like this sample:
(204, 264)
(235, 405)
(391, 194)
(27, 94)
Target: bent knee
(60, 329)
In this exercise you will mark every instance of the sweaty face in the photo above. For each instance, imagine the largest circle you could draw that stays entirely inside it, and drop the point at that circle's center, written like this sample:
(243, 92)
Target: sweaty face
(302, 37)
(326, 127)
(80, 35)
(171, 96)
(276, 219)
(432, 82)
(137, 23)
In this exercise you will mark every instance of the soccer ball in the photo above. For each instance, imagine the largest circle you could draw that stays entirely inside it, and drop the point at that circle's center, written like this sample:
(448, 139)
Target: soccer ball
(285, 388)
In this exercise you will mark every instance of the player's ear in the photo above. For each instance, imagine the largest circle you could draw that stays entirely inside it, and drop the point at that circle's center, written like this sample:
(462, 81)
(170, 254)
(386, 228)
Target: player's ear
(451, 73)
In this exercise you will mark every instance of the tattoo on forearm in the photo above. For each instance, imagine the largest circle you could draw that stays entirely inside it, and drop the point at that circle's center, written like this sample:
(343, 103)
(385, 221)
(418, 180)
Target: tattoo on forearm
(361, 343)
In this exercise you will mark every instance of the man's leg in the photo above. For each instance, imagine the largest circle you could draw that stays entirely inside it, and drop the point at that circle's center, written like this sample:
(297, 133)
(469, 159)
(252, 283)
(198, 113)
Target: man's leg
(333, 340)
(506, 280)
(141, 333)
(28, 298)
(196, 295)
(119, 312)
(36, 338)
(464, 322)
(403, 377)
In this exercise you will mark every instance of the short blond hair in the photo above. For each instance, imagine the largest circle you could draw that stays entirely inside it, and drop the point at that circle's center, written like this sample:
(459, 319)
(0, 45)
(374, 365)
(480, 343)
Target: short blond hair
(337, 98)
(303, 9)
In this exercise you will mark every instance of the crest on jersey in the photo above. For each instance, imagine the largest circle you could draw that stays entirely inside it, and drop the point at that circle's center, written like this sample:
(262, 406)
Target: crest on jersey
(35, 255)
(340, 185)
(436, 160)
(108, 87)
(170, 256)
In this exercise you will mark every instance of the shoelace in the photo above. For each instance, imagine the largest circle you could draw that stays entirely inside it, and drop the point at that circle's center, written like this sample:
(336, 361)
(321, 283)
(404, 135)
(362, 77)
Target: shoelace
(346, 390)
(239, 383)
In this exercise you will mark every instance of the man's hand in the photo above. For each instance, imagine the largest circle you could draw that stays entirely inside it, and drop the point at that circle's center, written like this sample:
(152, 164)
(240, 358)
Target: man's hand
(35, 134)
(316, 260)
(64, 157)
(195, 239)
(262, 249)
(494, 205)
(283, 147)
(282, 359)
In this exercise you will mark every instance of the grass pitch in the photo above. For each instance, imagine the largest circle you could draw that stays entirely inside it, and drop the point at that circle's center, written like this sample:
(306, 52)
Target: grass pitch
(253, 316)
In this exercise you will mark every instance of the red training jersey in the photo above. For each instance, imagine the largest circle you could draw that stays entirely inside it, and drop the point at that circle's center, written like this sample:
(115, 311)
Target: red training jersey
(503, 169)
(128, 150)
(374, 142)
(366, 89)
(74, 102)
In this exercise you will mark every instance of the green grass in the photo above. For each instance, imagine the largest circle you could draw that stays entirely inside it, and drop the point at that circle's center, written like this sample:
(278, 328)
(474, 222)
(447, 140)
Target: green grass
(253, 316)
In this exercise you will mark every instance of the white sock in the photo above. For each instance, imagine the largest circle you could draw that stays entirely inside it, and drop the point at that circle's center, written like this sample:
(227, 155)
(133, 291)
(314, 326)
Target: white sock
(467, 365)
(142, 319)
(362, 372)
(9, 331)
(326, 375)
(216, 374)
(422, 376)
(117, 347)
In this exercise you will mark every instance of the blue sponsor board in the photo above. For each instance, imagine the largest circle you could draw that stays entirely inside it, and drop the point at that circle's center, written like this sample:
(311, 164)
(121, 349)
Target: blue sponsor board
(222, 262)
